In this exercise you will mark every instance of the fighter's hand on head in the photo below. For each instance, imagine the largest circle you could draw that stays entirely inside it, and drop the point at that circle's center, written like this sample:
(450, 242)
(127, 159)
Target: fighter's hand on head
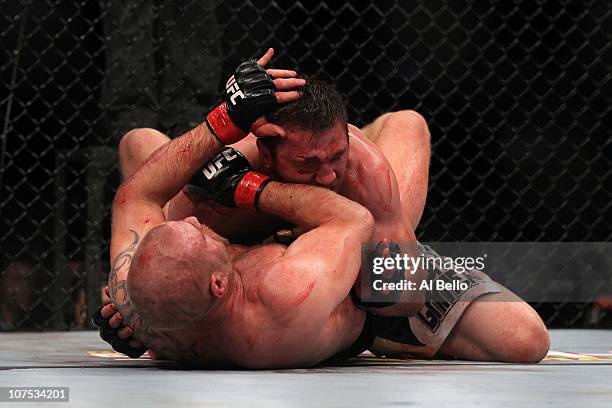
(250, 93)
(283, 79)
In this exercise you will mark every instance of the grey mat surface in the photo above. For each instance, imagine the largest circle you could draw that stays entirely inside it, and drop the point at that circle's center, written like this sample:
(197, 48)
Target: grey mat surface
(577, 373)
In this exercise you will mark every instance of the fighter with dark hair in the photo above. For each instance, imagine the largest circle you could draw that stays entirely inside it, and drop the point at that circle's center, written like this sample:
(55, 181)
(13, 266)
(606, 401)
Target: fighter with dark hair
(382, 167)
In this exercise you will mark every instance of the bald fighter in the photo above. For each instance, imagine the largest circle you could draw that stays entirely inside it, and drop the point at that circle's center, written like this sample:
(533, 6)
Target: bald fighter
(192, 296)
(315, 149)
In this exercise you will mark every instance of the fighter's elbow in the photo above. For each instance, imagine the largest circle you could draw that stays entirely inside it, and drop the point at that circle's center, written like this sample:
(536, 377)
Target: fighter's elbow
(363, 221)
(368, 220)
(133, 142)
(351, 216)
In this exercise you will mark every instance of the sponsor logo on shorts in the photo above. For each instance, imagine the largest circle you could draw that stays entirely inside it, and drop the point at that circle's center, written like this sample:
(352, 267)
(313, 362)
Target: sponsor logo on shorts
(439, 302)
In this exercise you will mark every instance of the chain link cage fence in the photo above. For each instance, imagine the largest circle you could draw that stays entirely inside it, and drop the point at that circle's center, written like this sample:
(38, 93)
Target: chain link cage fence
(517, 95)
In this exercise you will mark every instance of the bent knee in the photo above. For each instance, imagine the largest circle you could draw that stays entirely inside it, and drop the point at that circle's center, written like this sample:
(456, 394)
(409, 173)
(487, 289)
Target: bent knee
(409, 120)
(530, 344)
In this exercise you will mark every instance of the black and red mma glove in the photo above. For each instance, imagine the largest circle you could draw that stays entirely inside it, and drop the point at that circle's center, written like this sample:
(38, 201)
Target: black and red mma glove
(250, 95)
(227, 179)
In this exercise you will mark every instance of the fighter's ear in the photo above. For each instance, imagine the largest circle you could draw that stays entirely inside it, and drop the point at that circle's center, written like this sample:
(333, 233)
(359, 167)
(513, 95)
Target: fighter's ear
(218, 284)
(265, 152)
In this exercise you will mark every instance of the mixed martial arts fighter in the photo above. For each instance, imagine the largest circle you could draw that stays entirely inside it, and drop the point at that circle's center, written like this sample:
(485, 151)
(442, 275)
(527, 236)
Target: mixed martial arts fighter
(325, 159)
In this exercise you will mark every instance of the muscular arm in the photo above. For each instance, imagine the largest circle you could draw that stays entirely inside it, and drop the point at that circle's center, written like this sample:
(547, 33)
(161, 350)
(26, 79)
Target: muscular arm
(169, 168)
(137, 208)
(373, 184)
(324, 261)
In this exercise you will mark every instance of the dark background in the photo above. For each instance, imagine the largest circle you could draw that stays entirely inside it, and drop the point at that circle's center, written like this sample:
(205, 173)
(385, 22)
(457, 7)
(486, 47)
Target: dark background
(517, 95)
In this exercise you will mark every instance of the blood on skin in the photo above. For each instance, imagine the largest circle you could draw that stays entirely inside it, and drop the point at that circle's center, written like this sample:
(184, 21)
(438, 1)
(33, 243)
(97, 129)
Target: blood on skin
(385, 199)
(305, 294)
(186, 148)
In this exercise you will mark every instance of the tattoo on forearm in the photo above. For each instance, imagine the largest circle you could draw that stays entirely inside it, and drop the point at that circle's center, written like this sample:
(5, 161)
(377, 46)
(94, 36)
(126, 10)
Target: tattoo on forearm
(118, 287)
(119, 294)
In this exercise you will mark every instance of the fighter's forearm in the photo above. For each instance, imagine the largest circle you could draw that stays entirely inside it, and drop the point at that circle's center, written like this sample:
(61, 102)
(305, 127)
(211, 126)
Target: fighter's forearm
(309, 206)
(250, 93)
(170, 167)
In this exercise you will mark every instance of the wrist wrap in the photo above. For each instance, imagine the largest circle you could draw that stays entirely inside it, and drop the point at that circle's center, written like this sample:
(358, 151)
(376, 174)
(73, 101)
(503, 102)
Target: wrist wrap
(227, 179)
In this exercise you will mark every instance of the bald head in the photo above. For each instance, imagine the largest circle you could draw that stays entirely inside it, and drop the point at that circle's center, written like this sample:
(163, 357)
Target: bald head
(170, 276)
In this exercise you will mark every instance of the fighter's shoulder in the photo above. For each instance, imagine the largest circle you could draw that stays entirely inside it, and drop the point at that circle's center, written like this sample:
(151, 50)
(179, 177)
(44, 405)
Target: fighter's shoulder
(363, 150)
(366, 166)
(288, 283)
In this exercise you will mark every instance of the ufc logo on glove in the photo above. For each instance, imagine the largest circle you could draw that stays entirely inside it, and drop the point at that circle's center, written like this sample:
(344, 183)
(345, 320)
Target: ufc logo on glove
(232, 88)
(211, 169)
